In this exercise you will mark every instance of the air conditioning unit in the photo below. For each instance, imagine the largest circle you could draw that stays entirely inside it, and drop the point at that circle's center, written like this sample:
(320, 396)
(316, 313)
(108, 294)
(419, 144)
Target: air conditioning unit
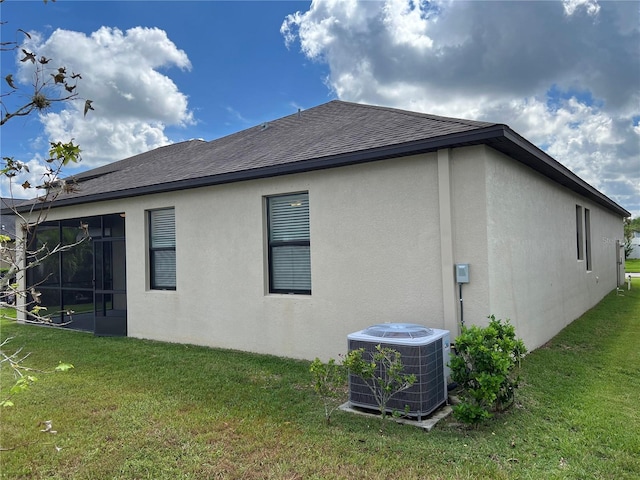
(424, 352)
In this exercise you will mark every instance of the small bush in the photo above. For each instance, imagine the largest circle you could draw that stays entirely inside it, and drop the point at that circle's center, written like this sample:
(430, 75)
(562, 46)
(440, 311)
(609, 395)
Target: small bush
(382, 372)
(330, 383)
(485, 368)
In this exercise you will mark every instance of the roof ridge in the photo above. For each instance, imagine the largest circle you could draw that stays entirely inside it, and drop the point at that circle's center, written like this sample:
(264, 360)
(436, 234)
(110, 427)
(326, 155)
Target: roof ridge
(336, 133)
(410, 113)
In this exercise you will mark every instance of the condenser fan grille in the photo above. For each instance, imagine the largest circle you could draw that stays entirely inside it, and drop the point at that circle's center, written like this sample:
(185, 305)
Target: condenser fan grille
(398, 330)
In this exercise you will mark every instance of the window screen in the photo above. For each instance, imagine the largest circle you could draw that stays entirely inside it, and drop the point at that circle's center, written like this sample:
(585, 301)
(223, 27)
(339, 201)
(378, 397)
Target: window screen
(289, 244)
(162, 249)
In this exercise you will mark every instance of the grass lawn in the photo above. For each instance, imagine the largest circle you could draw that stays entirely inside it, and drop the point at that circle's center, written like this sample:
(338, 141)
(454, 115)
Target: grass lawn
(135, 409)
(632, 265)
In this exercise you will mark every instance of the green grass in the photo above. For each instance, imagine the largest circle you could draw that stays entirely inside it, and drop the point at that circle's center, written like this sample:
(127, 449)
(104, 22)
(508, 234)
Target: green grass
(632, 265)
(135, 409)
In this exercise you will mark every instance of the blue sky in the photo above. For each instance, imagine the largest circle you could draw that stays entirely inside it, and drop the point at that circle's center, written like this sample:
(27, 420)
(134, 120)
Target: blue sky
(241, 71)
(563, 73)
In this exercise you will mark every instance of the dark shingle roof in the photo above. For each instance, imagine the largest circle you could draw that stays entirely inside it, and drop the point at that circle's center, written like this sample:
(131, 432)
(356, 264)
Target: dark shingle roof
(331, 129)
(332, 134)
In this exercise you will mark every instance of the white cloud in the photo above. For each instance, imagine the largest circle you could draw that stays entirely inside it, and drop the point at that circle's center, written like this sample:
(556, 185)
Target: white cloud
(34, 173)
(133, 100)
(564, 74)
(408, 23)
(590, 6)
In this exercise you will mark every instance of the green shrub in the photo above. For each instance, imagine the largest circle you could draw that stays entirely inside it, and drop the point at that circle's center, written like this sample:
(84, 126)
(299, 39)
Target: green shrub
(382, 372)
(485, 367)
(330, 383)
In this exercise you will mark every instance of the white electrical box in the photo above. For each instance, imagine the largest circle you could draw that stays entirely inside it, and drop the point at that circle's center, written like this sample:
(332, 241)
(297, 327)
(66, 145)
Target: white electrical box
(462, 273)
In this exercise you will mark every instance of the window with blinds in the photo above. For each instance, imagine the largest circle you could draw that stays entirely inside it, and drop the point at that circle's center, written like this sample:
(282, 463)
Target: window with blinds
(289, 244)
(587, 237)
(162, 249)
(579, 233)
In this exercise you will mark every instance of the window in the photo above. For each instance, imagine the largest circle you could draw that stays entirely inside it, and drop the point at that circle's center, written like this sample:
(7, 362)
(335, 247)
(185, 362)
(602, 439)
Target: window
(162, 249)
(587, 236)
(579, 233)
(289, 246)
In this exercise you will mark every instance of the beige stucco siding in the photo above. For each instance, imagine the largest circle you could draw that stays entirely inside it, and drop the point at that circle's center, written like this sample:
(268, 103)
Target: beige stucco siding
(374, 258)
(535, 278)
(469, 213)
(384, 238)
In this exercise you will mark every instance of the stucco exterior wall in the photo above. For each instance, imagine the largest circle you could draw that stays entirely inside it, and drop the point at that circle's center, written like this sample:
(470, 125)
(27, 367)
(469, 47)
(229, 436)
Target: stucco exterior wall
(469, 200)
(384, 238)
(534, 275)
(374, 245)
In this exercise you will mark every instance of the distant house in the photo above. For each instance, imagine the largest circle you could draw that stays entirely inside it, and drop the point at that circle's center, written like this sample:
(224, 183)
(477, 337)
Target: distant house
(635, 245)
(285, 237)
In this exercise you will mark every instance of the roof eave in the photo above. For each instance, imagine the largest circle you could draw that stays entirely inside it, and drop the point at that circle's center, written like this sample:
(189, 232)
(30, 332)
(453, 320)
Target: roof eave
(473, 137)
(528, 154)
(497, 136)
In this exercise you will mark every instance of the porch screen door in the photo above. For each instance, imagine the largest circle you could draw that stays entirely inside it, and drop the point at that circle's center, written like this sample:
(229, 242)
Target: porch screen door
(110, 287)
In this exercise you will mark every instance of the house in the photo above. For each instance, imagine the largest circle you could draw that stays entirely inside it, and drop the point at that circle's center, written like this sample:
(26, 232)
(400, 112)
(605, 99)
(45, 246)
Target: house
(286, 237)
(635, 245)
